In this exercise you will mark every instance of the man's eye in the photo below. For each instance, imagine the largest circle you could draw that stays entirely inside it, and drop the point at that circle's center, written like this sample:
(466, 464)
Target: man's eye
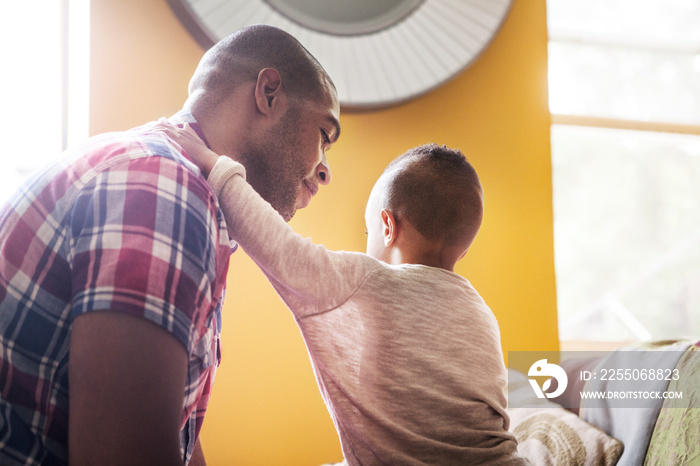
(326, 138)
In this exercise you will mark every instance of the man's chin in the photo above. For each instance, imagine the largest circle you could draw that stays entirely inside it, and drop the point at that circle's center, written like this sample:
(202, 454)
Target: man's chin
(285, 210)
(304, 196)
(289, 215)
(279, 201)
(302, 204)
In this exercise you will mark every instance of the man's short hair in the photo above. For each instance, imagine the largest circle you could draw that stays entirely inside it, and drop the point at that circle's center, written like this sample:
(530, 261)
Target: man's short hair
(438, 191)
(240, 56)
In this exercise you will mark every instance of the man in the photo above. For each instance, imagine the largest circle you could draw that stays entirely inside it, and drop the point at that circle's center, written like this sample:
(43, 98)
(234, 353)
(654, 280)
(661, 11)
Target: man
(113, 262)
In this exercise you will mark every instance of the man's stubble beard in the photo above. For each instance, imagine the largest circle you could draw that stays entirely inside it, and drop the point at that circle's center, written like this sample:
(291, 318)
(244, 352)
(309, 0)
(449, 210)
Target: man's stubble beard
(273, 168)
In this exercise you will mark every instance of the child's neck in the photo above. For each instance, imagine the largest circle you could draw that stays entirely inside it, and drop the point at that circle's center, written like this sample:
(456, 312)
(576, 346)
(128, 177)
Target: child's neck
(429, 258)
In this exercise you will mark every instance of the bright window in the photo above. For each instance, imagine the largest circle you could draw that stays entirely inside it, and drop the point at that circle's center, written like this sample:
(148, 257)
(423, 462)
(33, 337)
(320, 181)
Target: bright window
(44, 49)
(624, 79)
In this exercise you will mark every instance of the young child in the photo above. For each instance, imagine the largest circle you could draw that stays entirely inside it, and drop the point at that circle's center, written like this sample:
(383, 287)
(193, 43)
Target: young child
(406, 353)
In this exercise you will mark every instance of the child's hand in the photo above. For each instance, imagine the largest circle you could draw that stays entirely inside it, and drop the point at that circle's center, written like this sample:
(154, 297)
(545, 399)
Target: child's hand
(191, 143)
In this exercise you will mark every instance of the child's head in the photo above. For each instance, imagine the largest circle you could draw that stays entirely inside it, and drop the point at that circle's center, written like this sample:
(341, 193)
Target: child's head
(425, 208)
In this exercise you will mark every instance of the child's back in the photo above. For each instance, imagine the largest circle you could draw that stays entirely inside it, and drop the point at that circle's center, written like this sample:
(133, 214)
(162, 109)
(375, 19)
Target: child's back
(412, 369)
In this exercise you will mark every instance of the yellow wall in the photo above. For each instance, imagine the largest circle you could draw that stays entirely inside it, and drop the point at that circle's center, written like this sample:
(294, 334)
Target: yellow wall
(266, 408)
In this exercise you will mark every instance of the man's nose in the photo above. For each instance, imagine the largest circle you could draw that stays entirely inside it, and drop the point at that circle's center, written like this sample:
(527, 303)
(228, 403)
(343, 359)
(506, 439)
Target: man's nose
(323, 171)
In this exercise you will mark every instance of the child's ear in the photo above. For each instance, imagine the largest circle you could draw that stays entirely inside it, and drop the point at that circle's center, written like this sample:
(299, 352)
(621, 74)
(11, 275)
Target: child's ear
(389, 228)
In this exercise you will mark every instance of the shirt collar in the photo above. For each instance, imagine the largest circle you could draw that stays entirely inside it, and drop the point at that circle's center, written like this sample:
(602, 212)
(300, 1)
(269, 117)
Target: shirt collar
(182, 117)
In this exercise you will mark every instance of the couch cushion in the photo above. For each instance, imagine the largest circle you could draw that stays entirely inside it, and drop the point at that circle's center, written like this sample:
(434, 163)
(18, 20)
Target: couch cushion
(548, 434)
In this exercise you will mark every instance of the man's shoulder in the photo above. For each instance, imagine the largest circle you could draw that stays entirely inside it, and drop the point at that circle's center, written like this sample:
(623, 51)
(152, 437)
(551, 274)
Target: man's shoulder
(140, 147)
(138, 150)
(115, 147)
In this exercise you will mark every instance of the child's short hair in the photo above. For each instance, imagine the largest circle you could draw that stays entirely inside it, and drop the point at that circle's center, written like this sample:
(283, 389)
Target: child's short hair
(437, 190)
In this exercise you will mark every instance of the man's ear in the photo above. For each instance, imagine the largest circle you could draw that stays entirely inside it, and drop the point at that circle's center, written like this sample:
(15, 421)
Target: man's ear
(268, 91)
(390, 228)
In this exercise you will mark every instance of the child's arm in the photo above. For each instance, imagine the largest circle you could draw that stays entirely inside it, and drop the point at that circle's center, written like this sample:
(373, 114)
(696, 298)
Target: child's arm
(308, 277)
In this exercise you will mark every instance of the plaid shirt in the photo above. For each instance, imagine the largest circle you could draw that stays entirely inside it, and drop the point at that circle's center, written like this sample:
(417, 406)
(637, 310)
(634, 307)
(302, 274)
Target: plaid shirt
(124, 223)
